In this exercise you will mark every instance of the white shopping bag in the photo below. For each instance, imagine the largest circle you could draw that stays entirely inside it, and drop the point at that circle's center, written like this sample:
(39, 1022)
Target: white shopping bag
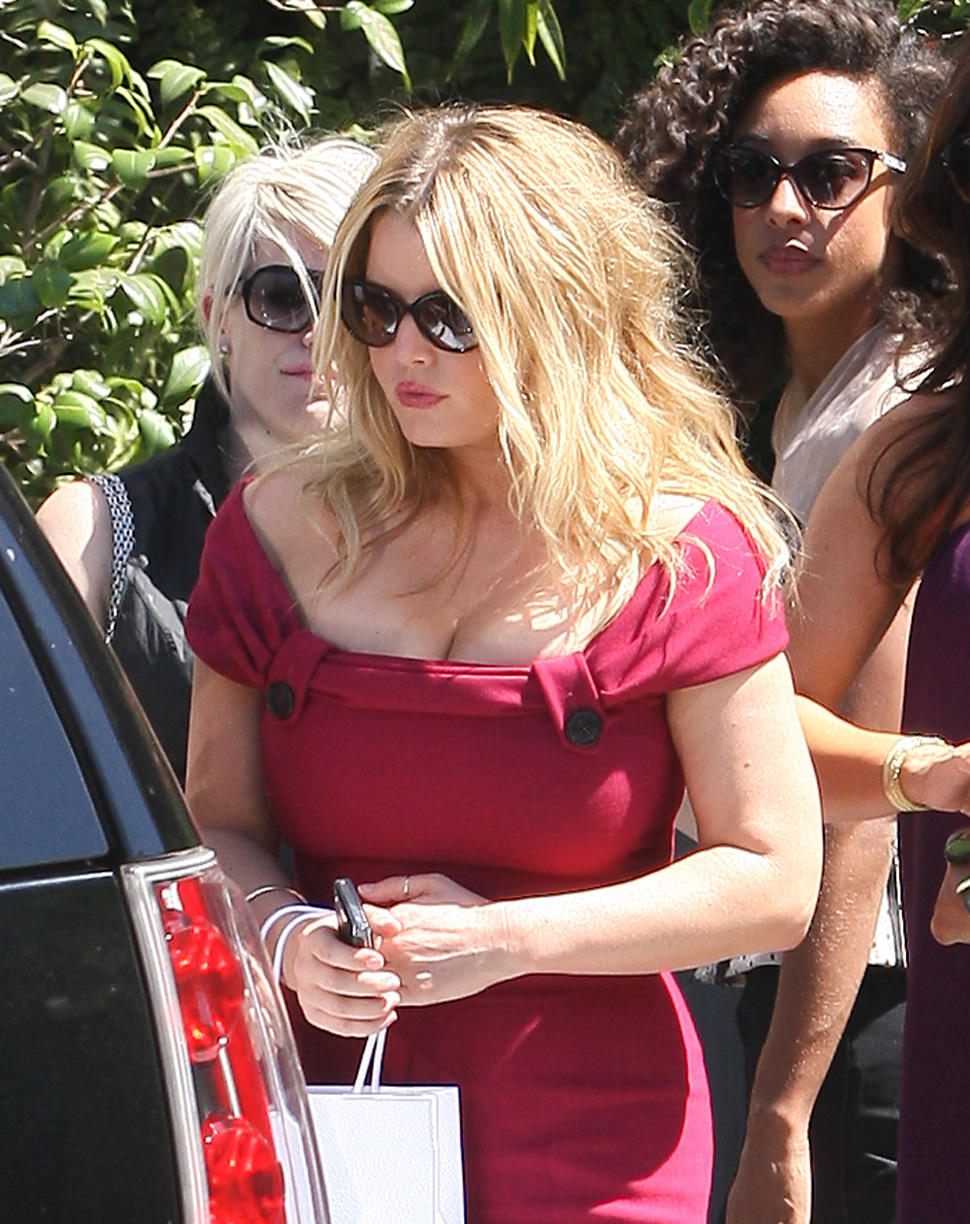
(389, 1152)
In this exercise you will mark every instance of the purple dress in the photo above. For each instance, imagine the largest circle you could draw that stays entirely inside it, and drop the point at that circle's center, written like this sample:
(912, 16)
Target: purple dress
(934, 1132)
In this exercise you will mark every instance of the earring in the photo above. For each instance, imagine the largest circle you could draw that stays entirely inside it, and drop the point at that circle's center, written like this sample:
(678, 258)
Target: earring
(224, 348)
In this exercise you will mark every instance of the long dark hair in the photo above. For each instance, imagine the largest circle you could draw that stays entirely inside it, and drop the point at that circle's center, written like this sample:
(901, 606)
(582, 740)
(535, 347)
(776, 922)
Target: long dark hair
(921, 482)
(671, 130)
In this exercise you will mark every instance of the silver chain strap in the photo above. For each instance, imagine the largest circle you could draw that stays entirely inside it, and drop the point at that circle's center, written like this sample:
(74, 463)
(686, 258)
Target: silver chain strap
(122, 541)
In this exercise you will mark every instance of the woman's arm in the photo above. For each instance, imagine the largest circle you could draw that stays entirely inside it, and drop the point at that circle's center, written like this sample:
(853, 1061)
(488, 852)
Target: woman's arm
(77, 522)
(849, 634)
(341, 989)
(751, 884)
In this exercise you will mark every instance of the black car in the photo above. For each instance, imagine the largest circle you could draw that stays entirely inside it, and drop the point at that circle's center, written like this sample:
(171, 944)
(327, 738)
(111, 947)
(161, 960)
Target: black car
(147, 1069)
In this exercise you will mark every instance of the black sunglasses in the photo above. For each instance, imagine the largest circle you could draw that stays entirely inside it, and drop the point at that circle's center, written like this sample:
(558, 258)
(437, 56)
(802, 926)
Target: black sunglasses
(956, 159)
(274, 297)
(372, 315)
(831, 178)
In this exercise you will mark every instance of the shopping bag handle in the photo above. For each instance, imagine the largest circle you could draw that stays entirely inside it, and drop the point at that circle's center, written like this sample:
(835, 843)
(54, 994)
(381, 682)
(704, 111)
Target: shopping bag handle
(371, 1060)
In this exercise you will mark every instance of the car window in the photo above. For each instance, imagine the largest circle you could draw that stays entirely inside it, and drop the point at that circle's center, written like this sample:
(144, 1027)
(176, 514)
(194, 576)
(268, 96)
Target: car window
(46, 813)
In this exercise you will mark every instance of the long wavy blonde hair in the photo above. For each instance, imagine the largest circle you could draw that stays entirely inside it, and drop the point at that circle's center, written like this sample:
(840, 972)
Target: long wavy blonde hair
(575, 285)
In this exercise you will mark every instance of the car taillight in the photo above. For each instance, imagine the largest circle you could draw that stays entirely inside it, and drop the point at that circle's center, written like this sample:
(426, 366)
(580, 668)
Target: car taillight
(239, 1101)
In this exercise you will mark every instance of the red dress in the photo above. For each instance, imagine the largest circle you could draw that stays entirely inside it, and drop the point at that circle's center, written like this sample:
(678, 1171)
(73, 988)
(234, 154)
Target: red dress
(583, 1098)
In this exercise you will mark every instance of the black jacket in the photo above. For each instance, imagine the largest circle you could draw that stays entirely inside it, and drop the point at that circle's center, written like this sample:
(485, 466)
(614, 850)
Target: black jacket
(174, 497)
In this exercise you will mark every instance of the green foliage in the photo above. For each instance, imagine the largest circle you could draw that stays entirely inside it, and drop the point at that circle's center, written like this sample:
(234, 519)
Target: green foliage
(102, 167)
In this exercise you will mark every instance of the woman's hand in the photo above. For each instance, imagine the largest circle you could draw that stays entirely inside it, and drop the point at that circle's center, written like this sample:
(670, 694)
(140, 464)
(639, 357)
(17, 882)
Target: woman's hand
(938, 776)
(774, 1178)
(345, 990)
(450, 942)
(950, 923)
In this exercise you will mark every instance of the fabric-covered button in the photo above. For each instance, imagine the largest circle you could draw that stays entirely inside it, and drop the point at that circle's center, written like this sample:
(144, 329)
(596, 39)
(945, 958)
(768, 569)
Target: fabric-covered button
(280, 700)
(583, 728)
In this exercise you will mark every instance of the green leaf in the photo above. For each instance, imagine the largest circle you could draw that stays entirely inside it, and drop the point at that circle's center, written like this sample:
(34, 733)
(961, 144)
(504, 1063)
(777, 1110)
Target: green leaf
(90, 157)
(156, 431)
(392, 7)
(476, 19)
(281, 41)
(381, 37)
(41, 425)
(551, 37)
(8, 89)
(90, 382)
(531, 22)
(146, 294)
(57, 36)
(185, 374)
(46, 97)
(141, 109)
(175, 79)
(298, 97)
(698, 15)
(238, 138)
(16, 402)
(52, 283)
(19, 303)
(90, 290)
(118, 66)
(87, 250)
(214, 161)
(171, 156)
(80, 410)
(11, 265)
(132, 165)
(79, 122)
(512, 28)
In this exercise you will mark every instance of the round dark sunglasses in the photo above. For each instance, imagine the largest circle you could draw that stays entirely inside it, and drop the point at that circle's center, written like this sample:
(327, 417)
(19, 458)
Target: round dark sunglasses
(956, 159)
(274, 297)
(831, 178)
(372, 315)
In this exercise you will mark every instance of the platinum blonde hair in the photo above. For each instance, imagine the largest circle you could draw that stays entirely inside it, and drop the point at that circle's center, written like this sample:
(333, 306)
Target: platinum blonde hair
(574, 284)
(267, 198)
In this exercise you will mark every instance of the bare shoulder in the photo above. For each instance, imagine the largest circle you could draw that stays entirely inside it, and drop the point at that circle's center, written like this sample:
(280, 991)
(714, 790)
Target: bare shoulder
(289, 518)
(71, 501)
(76, 520)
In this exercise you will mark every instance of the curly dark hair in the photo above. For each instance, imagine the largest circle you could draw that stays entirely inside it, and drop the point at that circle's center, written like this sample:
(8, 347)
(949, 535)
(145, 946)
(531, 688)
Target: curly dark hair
(672, 128)
(920, 485)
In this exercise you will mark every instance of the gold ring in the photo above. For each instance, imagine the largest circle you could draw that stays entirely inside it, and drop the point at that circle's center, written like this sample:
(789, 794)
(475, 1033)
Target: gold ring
(407, 887)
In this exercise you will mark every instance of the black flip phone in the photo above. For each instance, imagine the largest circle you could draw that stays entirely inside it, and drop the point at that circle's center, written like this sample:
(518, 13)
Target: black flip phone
(352, 925)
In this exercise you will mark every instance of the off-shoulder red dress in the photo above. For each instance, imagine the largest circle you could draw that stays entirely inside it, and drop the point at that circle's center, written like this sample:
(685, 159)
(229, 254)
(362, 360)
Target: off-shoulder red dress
(583, 1098)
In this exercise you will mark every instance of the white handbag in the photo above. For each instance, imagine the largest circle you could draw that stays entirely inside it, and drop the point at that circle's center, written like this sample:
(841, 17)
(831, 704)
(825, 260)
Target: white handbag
(389, 1152)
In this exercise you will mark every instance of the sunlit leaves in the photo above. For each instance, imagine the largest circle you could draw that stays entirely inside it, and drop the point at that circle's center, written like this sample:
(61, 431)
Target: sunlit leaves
(175, 80)
(380, 33)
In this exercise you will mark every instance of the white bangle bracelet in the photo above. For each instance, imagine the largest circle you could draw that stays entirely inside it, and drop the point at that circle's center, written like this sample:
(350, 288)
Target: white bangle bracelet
(309, 913)
(892, 767)
(271, 919)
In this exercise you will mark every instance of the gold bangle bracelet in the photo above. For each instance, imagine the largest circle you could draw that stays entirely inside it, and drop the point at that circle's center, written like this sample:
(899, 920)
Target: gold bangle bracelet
(892, 767)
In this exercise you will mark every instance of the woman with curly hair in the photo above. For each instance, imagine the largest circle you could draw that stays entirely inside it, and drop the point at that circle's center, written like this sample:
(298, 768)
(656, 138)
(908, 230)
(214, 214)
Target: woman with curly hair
(467, 646)
(779, 140)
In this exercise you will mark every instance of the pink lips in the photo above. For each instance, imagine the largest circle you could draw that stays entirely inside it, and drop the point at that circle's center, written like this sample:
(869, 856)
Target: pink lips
(788, 260)
(300, 372)
(416, 395)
